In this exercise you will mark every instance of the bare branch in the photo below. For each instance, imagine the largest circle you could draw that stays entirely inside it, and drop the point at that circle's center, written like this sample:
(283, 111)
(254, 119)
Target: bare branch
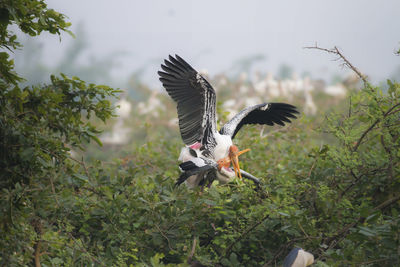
(53, 190)
(189, 260)
(164, 235)
(37, 225)
(346, 62)
(37, 254)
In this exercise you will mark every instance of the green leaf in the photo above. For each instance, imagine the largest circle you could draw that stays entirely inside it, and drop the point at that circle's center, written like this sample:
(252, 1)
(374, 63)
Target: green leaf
(366, 231)
(81, 177)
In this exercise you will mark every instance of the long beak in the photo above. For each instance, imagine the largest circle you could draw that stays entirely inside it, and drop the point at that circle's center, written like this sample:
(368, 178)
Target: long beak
(225, 162)
(235, 161)
(243, 151)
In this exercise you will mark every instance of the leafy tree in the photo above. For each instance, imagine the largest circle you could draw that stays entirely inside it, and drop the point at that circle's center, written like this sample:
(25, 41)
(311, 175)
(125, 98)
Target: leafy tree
(336, 195)
(38, 126)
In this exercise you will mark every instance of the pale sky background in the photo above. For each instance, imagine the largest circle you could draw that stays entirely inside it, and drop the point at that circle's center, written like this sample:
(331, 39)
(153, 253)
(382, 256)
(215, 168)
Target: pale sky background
(215, 34)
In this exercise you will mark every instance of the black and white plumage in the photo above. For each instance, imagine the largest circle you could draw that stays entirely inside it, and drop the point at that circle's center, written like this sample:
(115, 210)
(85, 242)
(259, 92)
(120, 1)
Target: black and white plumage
(202, 171)
(266, 113)
(196, 105)
(298, 257)
(195, 100)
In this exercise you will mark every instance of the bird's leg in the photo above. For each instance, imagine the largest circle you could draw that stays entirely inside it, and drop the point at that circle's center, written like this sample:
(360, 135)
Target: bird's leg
(234, 154)
(233, 158)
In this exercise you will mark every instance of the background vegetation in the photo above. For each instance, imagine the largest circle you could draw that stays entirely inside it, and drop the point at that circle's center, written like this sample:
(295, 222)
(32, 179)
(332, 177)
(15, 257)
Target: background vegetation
(330, 180)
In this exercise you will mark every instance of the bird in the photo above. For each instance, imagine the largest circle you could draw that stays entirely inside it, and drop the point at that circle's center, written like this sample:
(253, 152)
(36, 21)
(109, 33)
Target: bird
(298, 257)
(208, 153)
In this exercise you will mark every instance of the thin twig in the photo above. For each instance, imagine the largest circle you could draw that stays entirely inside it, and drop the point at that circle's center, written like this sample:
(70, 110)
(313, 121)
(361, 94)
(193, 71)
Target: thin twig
(82, 163)
(343, 232)
(350, 107)
(99, 193)
(346, 62)
(312, 168)
(373, 125)
(229, 248)
(84, 167)
(84, 250)
(190, 257)
(356, 179)
(162, 233)
(53, 189)
(302, 229)
(389, 152)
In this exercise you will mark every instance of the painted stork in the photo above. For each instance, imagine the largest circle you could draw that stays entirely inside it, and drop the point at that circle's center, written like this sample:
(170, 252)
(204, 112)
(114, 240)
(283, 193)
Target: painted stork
(209, 153)
(298, 257)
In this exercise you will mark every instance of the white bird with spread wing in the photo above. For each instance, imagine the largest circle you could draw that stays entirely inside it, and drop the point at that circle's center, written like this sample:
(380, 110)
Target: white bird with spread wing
(209, 153)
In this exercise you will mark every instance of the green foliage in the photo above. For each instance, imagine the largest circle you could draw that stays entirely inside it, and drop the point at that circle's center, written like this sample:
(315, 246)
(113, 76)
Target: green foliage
(32, 17)
(337, 199)
(39, 124)
(364, 182)
(333, 193)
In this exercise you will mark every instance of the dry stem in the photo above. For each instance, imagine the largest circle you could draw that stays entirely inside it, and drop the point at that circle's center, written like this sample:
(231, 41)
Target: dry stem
(193, 250)
(346, 62)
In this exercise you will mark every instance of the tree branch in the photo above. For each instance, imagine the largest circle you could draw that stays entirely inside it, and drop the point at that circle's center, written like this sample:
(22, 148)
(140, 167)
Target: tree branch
(389, 112)
(190, 257)
(343, 232)
(163, 234)
(53, 190)
(390, 155)
(37, 254)
(356, 179)
(82, 249)
(37, 225)
(229, 248)
(346, 62)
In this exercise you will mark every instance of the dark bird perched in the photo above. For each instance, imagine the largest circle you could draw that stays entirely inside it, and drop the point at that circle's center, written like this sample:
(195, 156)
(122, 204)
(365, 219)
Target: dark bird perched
(298, 257)
(209, 153)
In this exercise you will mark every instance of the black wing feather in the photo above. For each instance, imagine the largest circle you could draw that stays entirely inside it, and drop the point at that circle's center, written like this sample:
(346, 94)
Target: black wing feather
(267, 113)
(192, 169)
(195, 100)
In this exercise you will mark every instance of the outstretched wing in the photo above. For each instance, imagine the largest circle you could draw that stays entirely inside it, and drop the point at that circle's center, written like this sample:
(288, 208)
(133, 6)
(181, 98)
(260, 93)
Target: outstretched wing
(195, 100)
(267, 113)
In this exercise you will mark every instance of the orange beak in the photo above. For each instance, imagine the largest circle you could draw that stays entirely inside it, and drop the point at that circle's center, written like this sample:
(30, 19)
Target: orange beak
(234, 156)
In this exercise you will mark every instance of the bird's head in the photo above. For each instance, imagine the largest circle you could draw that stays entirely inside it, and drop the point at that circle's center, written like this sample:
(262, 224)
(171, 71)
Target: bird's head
(233, 157)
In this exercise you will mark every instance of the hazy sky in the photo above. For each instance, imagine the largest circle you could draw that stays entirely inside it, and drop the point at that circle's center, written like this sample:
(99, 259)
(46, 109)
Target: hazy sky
(214, 34)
